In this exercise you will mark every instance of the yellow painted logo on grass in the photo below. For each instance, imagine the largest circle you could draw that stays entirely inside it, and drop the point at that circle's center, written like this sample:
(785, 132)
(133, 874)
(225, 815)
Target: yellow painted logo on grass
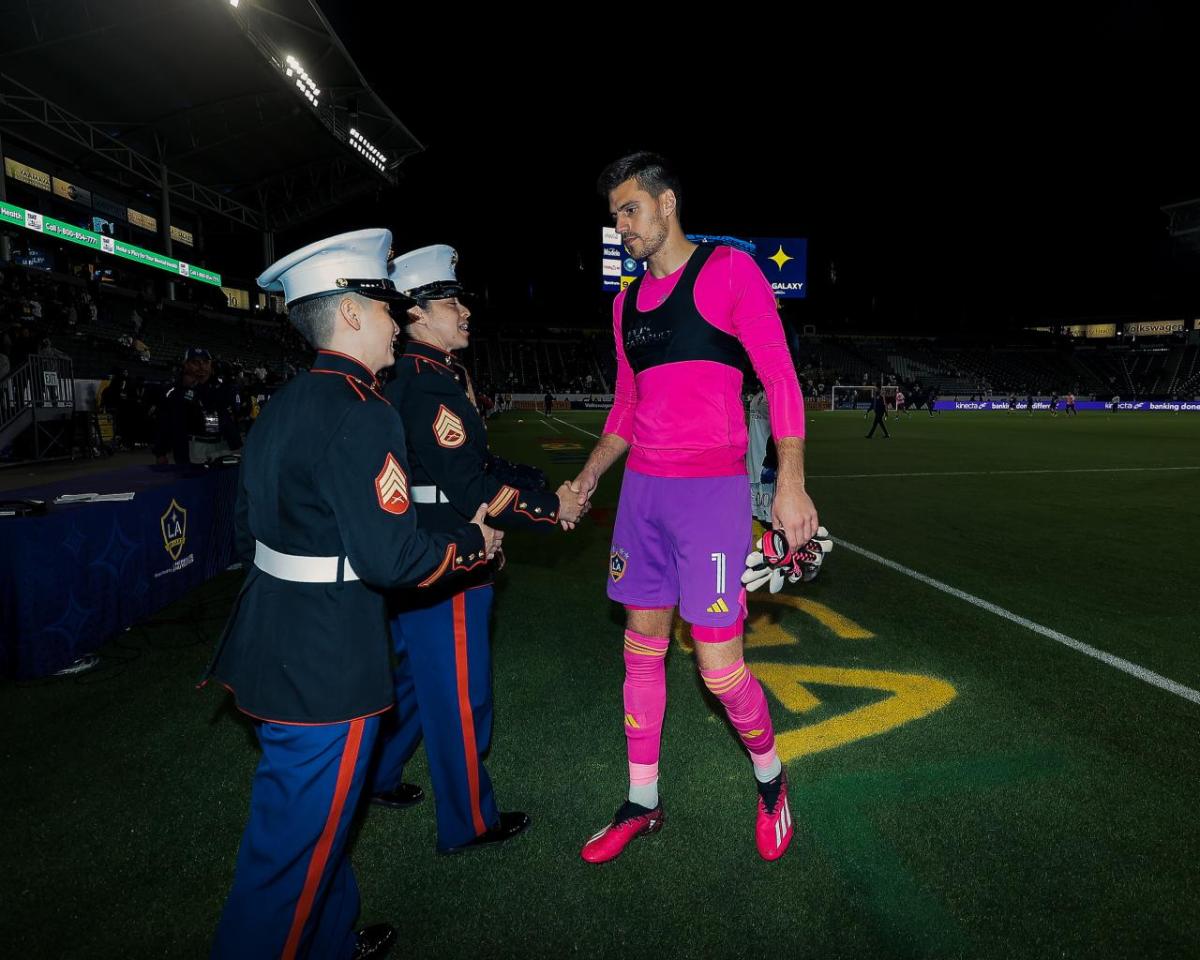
(912, 696)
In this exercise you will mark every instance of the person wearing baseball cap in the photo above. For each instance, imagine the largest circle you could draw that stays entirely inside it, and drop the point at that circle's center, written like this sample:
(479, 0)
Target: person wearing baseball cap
(325, 511)
(182, 425)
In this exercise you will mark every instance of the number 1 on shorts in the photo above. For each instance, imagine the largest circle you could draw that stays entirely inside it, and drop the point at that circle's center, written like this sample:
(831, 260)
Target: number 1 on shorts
(719, 560)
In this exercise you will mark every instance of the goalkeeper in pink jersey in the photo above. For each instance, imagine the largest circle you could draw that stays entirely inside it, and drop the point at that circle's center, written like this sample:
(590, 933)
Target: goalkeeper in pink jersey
(683, 521)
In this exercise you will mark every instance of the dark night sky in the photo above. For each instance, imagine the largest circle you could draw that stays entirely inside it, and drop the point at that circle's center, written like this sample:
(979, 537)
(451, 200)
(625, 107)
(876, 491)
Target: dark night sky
(954, 172)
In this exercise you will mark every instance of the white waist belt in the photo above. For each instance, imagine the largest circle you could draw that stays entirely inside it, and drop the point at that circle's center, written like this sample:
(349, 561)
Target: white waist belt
(429, 495)
(287, 566)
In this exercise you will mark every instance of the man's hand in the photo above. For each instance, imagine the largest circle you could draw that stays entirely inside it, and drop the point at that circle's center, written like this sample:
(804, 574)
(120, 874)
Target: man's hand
(570, 511)
(491, 538)
(793, 512)
(580, 490)
(584, 486)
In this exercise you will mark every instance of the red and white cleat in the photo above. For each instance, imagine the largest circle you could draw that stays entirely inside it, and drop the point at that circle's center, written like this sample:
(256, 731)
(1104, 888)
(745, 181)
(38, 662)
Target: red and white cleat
(773, 827)
(631, 821)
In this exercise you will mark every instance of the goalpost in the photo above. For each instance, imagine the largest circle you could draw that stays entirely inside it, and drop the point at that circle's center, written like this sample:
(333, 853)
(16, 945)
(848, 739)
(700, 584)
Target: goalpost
(860, 397)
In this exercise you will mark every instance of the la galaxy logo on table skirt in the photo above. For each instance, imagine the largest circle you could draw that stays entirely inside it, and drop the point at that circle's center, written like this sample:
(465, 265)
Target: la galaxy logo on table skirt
(174, 529)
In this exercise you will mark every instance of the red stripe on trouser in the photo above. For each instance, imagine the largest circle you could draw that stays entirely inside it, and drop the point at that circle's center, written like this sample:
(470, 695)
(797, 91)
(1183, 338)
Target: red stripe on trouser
(320, 856)
(465, 714)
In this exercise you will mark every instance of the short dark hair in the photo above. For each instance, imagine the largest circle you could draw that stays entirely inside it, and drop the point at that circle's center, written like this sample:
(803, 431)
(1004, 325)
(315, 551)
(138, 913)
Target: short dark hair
(316, 319)
(650, 171)
(420, 304)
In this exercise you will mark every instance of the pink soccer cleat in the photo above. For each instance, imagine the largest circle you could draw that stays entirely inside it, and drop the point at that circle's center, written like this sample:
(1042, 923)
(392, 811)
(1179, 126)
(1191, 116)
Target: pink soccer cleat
(631, 821)
(773, 826)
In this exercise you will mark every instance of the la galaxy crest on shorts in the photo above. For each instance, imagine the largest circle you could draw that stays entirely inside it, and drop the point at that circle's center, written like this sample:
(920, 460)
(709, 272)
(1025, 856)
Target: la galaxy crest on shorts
(618, 561)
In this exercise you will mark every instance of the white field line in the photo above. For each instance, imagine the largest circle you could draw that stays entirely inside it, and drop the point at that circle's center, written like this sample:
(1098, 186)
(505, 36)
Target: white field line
(1119, 663)
(988, 473)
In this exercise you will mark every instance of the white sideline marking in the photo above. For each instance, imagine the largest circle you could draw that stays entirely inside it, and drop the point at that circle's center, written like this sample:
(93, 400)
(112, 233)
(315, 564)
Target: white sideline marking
(551, 426)
(580, 429)
(988, 473)
(1126, 666)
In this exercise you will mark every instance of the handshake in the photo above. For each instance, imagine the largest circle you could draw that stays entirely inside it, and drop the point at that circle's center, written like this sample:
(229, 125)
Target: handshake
(575, 499)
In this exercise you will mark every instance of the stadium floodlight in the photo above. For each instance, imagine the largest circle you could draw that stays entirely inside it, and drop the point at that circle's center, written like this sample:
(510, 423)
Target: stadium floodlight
(304, 83)
(368, 150)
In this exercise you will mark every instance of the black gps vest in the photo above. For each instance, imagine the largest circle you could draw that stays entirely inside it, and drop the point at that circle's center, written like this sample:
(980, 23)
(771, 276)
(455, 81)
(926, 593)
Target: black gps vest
(675, 331)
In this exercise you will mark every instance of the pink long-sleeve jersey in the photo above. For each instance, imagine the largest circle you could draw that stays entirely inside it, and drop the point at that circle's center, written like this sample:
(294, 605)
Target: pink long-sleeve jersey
(678, 397)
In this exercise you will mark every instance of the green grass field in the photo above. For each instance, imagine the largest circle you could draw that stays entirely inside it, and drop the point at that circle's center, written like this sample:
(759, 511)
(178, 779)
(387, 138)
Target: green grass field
(963, 785)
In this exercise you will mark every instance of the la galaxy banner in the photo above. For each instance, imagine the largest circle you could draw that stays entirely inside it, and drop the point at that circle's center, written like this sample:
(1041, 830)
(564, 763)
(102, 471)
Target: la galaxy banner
(784, 262)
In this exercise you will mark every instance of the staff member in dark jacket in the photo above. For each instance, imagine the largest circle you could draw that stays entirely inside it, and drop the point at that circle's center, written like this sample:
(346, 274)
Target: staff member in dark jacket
(880, 408)
(443, 671)
(196, 419)
(325, 508)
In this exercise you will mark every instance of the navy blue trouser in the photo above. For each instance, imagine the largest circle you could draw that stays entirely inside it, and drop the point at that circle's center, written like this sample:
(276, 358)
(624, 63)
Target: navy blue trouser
(443, 679)
(294, 893)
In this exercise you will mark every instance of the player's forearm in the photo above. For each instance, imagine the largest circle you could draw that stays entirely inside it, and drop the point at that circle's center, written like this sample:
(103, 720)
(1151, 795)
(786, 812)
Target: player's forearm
(608, 451)
(791, 462)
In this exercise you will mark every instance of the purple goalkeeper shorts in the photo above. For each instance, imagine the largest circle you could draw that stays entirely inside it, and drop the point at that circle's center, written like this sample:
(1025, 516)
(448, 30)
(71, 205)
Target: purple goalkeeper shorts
(682, 541)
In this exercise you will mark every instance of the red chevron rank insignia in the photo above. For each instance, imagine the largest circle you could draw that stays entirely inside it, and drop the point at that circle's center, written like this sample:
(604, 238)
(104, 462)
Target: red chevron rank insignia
(449, 429)
(391, 487)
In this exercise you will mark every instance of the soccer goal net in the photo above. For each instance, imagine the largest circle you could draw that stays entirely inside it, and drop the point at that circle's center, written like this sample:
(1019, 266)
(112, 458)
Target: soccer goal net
(859, 397)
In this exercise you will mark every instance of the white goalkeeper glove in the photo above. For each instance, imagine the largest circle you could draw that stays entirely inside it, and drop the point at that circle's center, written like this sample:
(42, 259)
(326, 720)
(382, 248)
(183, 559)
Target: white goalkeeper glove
(773, 564)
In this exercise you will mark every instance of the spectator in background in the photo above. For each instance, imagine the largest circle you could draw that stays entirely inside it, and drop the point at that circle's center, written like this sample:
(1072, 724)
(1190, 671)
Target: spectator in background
(49, 351)
(5, 388)
(22, 346)
(115, 402)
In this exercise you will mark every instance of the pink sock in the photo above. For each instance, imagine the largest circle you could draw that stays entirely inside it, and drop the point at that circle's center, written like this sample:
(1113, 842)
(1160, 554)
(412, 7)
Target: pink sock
(645, 695)
(744, 701)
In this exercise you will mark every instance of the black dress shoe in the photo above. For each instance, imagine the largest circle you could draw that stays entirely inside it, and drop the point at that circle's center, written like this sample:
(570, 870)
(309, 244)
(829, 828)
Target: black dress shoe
(374, 942)
(405, 795)
(509, 826)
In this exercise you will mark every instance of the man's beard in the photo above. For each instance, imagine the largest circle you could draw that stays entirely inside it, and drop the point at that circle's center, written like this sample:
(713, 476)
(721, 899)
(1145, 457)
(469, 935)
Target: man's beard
(652, 244)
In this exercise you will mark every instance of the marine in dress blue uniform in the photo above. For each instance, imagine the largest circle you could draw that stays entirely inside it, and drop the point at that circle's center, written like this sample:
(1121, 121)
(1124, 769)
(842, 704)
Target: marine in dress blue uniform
(325, 509)
(443, 678)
